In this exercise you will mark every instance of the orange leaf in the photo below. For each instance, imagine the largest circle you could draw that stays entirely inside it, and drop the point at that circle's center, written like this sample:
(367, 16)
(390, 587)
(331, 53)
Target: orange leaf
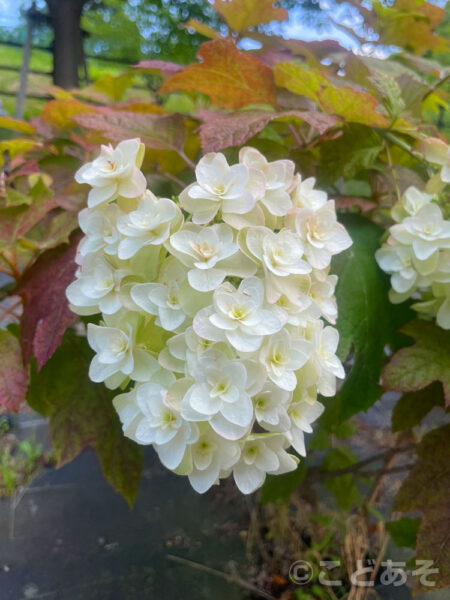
(229, 77)
(242, 14)
(58, 113)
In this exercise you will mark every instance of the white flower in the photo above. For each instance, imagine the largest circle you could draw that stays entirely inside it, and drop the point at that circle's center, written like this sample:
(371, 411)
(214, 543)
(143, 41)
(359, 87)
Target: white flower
(301, 415)
(322, 235)
(100, 229)
(281, 255)
(211, 456)
(210, 254)
(218, 186)
(324, 366)
(149, 418)
(282, 355)
(278, 178)
(114, 173)
(271, 405)
(260, 455)
(438, 152)
(426, 231)
(150, 223)
(305, 196)
(218, 395)
(398, 261)
(117, 356)
(438, 305)
(97, 287)
(163, 299)
(410, 203)
(238, 316)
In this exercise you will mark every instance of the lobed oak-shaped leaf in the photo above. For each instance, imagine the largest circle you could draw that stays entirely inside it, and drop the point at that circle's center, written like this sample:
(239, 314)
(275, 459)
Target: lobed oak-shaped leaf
(412, 407)
(242, 14)
(221, 130)
(13, 373)
(81, 414)
(417, 366)
(352, 105)
(60, 113)
(231, 78)
(160, 132)
(427, 488)
(46, 313)
(366, 321)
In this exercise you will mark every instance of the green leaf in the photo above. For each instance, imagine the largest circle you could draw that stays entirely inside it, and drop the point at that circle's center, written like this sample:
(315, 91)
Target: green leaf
(412, 407)
(427, 489)
(428, 360)
(404, 532)
(280, 487)
(81, 414)
(364, 323)
(356, 150)
(342, 487)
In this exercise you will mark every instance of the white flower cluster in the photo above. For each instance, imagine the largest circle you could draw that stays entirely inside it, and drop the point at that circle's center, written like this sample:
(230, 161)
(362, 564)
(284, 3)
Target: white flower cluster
(214, 321)
(417, 255)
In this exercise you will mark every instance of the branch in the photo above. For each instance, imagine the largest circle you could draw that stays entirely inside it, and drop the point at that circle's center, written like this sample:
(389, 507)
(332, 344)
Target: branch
(226, 576)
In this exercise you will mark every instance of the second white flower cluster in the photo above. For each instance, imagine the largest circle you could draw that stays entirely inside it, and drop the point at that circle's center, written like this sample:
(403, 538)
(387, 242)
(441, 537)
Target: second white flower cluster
(417, 255)
(213, 321)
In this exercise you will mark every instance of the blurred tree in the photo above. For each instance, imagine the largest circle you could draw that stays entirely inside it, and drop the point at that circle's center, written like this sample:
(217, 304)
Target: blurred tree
(126, 30)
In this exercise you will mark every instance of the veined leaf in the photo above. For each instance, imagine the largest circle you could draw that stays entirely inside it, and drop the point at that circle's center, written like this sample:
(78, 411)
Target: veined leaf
(81, 414)
(229, 77)
(13, 373)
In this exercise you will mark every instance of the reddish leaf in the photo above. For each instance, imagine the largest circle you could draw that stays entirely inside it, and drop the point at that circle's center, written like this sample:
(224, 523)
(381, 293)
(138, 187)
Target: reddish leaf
(427, 488)
(13, 374)
(229, 77)
(15, 221)
(242, 14)
(161, 67)
(224, 130)
(161, 132)
(428, 360)
(46, 313)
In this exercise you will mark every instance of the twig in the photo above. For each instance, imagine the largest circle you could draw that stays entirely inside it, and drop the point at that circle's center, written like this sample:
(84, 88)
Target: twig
(227, 577)
(172, 178)
(186, 159)
(10, 309)
(393, 172)
(367, 461)
(301, 143)
(14, 271)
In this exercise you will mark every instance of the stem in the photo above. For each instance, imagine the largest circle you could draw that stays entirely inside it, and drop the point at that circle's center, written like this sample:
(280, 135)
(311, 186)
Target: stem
(12, 265)
(186, 159)
(230, 578)
(392, 170)
(300, 142)
(367, 461)
(10, 309)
